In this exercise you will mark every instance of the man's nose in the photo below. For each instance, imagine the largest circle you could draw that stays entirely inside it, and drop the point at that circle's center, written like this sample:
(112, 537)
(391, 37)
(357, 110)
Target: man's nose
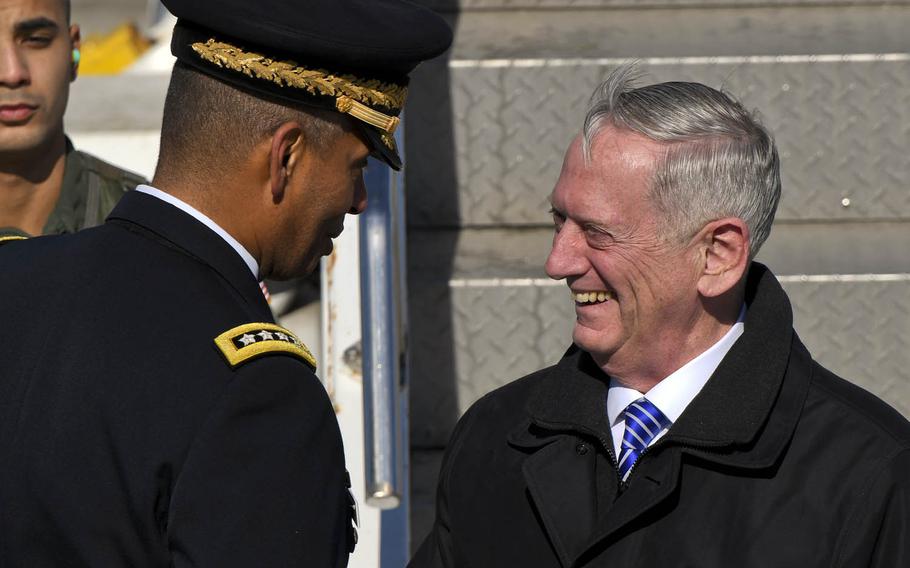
(359, 204)
(567, 257)
(13, 67)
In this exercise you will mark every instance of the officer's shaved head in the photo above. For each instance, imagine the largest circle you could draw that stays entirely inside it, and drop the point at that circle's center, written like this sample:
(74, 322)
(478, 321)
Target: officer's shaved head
(209, 125)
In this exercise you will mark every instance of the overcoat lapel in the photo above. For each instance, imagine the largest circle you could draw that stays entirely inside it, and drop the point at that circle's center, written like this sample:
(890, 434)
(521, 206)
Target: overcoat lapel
(568, 421)
(561, 484)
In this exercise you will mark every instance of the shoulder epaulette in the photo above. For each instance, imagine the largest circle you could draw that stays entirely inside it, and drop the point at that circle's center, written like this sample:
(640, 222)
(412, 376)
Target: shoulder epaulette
(10, 238)
(252, 340)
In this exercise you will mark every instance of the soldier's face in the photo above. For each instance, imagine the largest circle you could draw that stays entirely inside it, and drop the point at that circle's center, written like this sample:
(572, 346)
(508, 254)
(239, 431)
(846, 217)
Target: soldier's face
(36, 68)
(635, 292)
(328, 184)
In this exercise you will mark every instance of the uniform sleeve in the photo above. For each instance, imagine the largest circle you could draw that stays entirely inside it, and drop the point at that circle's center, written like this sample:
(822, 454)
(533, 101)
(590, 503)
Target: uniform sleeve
(264, 483)
(878, 535)
(438, 549)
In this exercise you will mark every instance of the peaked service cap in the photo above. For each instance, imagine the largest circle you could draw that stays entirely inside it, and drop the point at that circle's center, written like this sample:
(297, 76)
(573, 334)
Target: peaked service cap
(351, 56)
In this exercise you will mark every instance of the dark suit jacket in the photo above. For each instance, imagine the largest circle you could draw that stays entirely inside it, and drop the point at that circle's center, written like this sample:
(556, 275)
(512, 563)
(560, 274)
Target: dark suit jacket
(126, 438)
(776, 462)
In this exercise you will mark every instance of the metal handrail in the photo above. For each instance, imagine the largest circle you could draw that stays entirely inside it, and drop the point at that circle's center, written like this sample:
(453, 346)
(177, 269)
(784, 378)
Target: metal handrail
(384, 324)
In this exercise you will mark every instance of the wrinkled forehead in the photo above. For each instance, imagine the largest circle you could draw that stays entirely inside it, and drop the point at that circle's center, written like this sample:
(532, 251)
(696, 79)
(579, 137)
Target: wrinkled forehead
(612, 145)
(615, 175)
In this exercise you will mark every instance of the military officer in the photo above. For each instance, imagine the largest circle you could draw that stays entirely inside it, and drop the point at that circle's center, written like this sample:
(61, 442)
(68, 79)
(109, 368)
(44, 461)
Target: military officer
(46, 185)
(151, 411)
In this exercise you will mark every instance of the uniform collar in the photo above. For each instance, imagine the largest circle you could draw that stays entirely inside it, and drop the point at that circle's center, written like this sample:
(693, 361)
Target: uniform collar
(169, 223)
(732, 409)
(205, 220)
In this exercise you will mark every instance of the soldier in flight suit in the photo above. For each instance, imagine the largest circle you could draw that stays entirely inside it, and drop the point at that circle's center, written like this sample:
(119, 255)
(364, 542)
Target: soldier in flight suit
(151, 411)
(46, 185)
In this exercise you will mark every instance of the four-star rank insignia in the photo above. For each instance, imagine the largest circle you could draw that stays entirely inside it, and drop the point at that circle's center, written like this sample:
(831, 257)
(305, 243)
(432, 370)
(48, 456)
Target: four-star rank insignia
(253, 340)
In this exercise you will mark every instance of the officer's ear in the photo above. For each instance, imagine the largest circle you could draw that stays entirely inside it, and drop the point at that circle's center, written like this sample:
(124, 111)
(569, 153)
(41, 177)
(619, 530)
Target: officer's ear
(287, 145)
(76, 53)
(724, 255)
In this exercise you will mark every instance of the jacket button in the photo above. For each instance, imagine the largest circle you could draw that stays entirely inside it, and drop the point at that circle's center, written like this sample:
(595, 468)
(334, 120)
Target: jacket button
(581, 449)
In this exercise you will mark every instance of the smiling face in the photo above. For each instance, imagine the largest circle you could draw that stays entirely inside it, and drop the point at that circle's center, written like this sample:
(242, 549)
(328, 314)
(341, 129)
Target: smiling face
(326, 185)
(636, 301)
(36, 67)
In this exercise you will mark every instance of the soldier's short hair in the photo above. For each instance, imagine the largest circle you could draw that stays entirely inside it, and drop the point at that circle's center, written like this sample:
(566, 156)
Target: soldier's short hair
(210, 124)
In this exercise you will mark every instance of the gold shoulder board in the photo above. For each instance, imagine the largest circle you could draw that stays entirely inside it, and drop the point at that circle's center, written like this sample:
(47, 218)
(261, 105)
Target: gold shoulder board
(7, 239)
(253, 340)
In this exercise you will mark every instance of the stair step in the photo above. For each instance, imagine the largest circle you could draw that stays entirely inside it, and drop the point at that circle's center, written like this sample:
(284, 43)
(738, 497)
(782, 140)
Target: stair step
(483, 5)
(485, 144)
(439, 256)
(469, 339)
(745, 30)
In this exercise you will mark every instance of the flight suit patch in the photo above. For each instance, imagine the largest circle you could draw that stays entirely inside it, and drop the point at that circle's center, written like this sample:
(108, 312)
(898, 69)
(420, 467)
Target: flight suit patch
(252, 340)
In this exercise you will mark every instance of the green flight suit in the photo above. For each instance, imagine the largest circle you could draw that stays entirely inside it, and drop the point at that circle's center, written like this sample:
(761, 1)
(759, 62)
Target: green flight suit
(91, 188)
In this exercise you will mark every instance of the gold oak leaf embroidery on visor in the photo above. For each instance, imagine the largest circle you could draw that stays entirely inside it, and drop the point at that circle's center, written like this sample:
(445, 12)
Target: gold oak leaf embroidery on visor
(252, 340)
(352, 94)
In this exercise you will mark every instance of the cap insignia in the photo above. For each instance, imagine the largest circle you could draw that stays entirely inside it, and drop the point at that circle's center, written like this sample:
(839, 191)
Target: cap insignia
(352, 94)
(252, 340)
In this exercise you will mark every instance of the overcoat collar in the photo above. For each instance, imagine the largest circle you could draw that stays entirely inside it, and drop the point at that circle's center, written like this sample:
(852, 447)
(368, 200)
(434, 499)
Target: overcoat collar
(730, 411)
(195, 239)
(743, 418)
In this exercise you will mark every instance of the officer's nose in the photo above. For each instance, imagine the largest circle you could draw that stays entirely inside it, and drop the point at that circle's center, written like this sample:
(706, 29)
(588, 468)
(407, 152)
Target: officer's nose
(567, 257)
(13, 67)
(359, 204)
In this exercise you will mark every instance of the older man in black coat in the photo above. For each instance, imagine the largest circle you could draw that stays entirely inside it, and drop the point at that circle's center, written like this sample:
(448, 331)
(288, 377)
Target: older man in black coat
(687, 425)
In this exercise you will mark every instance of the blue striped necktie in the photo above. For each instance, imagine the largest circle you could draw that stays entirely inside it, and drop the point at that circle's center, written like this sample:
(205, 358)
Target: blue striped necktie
(643, 422)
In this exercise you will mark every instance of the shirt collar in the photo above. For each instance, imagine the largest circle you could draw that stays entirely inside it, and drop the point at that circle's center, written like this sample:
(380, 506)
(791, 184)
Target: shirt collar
(205, 220)
(674, 393)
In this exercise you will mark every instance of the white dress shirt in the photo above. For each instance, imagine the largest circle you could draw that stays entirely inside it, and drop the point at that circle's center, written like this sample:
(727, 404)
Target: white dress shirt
(673, 394)
(207, 221)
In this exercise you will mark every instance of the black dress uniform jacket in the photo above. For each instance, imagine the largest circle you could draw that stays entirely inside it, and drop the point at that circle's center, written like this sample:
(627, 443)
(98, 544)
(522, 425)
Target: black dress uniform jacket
(126, 439)
(776, 463)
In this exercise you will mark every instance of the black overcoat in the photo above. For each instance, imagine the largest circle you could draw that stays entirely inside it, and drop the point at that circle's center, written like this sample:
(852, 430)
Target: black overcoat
(126, 438)
(777, 462)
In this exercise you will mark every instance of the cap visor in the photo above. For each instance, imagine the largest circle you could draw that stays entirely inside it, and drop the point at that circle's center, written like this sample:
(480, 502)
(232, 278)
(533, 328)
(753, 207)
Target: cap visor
(379, 149)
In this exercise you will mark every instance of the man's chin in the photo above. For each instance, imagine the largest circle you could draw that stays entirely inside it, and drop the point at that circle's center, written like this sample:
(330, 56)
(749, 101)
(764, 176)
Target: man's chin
(597, 343)
(21, 140)
(283, 274)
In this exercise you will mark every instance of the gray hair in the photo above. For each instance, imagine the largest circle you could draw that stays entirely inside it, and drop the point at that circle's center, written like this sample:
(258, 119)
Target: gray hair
(720, 160)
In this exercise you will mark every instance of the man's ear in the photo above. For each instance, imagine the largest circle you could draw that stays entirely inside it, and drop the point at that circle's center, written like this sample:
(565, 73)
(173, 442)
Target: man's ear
(724, 250)
(76, 50)
(287, 145)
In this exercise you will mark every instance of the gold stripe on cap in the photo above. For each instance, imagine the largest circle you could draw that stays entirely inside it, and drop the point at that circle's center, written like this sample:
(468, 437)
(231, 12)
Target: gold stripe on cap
(383, 122)
(290, 74)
